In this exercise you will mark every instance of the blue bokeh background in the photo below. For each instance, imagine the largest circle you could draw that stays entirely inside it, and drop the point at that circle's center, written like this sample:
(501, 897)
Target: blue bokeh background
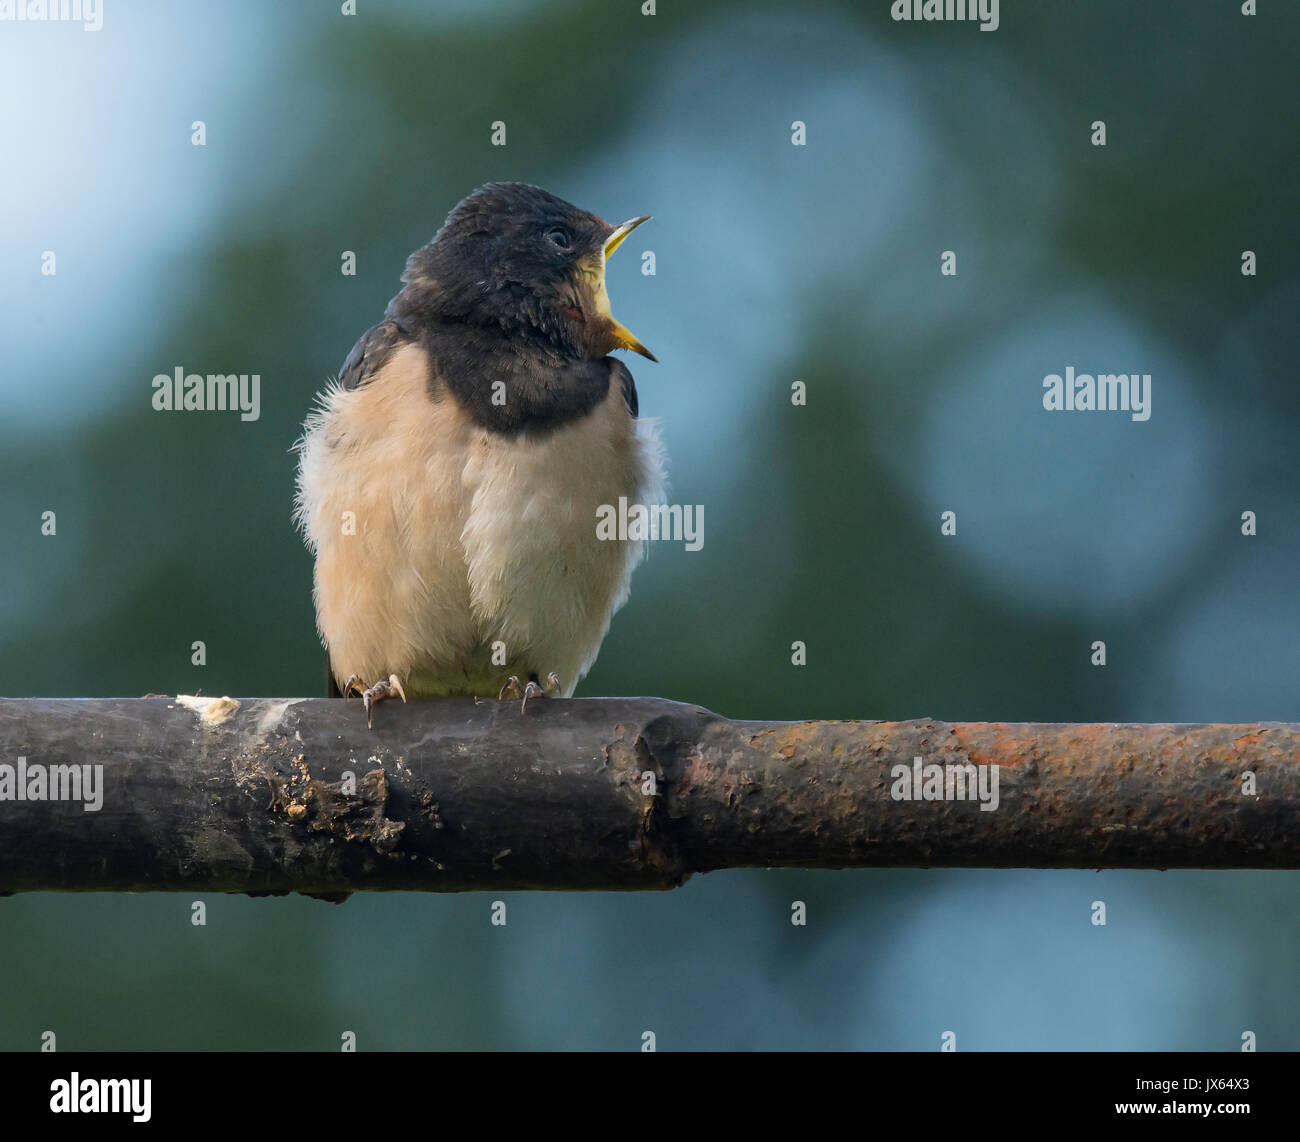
(774, 264)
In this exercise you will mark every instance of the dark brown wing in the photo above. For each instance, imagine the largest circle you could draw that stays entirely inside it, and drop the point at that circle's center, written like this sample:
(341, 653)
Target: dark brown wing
(372, 351)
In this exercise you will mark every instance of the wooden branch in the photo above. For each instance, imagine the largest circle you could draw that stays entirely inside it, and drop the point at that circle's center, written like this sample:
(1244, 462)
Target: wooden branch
(254, 795)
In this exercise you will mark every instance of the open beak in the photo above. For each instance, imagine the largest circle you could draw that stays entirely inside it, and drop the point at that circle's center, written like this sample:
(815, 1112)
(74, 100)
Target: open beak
(621, 231)
(623, 339)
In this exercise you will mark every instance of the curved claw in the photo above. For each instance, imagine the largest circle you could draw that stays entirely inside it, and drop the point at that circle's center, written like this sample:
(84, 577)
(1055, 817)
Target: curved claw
(532, 690)
(396, 684)
(384, 688)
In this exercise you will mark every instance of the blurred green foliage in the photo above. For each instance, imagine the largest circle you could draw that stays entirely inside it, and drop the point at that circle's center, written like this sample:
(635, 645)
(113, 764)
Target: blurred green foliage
(774, 264)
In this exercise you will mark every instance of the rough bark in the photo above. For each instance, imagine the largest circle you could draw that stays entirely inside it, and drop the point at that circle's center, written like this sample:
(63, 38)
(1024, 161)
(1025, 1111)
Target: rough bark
(250, 795)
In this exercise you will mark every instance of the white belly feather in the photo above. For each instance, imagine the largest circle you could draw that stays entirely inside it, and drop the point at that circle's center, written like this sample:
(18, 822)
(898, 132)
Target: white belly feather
(461, 538)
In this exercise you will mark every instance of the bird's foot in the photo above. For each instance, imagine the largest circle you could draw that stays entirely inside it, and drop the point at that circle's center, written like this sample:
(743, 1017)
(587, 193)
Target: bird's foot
(385, 688)
(532, 690)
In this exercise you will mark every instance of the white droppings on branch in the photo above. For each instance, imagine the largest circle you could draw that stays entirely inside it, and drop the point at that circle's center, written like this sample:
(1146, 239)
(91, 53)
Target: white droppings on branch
(211, 711)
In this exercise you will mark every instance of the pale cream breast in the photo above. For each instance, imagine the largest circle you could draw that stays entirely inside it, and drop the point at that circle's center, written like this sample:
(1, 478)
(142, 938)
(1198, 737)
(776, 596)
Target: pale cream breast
(435, 539)
(540, 579)
(382, 503)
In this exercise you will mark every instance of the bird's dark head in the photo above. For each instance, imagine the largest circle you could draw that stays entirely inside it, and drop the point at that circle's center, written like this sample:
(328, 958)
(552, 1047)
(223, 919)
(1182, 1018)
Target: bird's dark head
(515, 256)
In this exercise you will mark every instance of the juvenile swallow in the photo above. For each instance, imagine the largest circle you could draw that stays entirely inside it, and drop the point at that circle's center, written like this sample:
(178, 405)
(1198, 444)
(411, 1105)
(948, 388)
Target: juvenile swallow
(449, 480)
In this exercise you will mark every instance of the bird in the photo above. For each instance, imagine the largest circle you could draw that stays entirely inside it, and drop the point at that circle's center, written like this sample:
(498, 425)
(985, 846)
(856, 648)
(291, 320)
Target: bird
(449, 479)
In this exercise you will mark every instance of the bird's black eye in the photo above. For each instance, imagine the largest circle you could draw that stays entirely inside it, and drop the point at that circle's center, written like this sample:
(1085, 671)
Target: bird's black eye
(559, 237)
